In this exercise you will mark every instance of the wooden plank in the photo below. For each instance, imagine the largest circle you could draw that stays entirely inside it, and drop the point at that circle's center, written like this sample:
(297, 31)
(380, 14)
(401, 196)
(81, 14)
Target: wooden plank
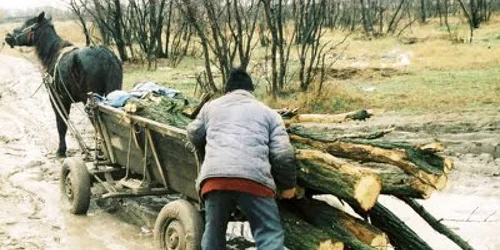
(144, 122)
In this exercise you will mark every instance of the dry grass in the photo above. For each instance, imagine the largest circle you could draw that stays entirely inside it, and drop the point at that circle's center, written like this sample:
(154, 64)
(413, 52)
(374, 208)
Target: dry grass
(433, 74)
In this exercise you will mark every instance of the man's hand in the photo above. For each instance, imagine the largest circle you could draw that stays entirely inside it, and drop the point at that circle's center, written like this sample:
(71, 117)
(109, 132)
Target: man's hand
(287, 194)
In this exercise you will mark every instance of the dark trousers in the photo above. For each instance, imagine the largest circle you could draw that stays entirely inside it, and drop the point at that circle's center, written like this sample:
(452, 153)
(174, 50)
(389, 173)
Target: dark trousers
(261, 212)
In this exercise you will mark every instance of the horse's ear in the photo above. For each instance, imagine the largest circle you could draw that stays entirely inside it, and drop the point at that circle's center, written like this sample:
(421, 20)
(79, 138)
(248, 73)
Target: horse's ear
(49, 18)
(41, 17)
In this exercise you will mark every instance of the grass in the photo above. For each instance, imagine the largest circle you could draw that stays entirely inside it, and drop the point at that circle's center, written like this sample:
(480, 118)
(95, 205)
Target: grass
(442, 75)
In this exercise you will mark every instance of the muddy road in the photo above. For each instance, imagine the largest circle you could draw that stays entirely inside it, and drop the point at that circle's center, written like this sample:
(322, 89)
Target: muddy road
(32, 215)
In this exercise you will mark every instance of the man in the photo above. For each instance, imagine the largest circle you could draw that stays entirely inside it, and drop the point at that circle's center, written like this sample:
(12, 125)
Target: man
(248, 162)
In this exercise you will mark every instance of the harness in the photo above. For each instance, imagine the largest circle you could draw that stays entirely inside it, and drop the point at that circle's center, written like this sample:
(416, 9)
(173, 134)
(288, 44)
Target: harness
(49, 82)
(49, 79)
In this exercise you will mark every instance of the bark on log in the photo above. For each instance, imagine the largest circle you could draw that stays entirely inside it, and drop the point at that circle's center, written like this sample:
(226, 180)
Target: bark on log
(328, 118)
(300, 235)
(330, 135)
(407, 160)
(322, 172)
(400, 235)
(436, 224)
(355, 233)
(403, 185)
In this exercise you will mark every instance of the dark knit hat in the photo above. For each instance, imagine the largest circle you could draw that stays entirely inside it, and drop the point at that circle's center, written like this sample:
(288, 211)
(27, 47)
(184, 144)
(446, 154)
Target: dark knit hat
(238, 79)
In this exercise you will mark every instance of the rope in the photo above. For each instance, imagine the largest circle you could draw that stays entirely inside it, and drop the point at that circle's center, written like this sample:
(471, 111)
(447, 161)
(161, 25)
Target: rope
(65, 51)
(63, 114)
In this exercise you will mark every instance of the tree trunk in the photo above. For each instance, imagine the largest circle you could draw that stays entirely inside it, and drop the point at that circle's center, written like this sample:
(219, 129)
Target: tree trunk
(118, 36)
(300, 235)
(355, 233)
(365, 16)
(335, 118)
(436, 224)
(321, 172)
(423, 11)
(271, 23)
(403, 185)
(410, 160)
(400, 235)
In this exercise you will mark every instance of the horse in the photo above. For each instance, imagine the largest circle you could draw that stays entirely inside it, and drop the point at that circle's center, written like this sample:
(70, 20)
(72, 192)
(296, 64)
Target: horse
(75, 71)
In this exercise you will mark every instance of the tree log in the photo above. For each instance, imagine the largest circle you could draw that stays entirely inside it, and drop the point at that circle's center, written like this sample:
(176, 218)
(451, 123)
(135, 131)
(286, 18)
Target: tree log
(322, 172)
(400, 235)
(326, 118)
(407, 160)
(434, 223)
(300, 235)
(328, 134)
(403, 185)
(355, 233)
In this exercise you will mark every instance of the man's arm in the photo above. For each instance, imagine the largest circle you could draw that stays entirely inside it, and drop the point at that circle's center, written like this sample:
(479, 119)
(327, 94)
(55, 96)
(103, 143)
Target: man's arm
(196, 130)
(281, 156)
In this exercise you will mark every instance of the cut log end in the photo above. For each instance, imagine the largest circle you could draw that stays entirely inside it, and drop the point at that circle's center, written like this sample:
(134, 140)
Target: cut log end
(367, 191)
(330, 245)
(380, 242)
(432, 147)
(441, 182)
(448, 165)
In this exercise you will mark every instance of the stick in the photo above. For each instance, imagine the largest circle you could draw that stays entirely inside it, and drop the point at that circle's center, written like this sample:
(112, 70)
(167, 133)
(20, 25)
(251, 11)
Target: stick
(436, 224)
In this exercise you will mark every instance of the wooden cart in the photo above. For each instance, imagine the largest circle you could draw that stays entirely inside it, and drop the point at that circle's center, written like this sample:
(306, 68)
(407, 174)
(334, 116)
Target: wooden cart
(135, 156)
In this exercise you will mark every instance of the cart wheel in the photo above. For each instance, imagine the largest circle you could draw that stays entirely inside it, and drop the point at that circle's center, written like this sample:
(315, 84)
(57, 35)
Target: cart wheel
(75, 184)
(179, 226)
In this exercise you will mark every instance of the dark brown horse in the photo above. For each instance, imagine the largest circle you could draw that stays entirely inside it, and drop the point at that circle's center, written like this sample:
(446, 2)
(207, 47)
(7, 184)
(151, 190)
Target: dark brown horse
(76, 72)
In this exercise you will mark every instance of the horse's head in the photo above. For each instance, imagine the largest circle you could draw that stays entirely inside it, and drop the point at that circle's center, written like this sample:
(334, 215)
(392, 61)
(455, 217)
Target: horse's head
(26, 34)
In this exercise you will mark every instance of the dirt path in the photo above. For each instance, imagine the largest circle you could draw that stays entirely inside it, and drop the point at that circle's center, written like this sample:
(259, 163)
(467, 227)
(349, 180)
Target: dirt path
(32, 215)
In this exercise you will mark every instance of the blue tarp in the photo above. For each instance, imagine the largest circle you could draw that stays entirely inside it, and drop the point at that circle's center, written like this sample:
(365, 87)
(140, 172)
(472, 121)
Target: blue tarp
(118, 98)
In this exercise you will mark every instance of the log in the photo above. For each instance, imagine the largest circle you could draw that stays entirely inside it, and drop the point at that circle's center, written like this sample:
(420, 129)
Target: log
(324, 172)
(300, 235)
(403, 185)
(355, 233)
(400, 235)
(329, 134)
(363, 151)
(327, 118)
(393, 181)
(436, 224)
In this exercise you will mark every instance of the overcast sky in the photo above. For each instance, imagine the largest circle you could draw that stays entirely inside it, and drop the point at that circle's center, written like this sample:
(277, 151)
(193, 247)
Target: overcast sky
(26, 4)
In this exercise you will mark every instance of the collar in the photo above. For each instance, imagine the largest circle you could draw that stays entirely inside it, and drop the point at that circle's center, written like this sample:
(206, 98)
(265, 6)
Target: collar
(242, 92)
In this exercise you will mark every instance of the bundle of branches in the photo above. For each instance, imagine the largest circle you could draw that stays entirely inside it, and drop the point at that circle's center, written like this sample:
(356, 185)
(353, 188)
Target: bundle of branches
(355, 168)
(163, 109)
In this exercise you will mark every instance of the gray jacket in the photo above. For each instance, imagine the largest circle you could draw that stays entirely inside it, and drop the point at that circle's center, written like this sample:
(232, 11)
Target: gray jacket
(243, 138)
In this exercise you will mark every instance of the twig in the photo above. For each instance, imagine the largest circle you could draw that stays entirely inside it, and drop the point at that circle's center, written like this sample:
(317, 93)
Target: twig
(486, 219)
(473, 211)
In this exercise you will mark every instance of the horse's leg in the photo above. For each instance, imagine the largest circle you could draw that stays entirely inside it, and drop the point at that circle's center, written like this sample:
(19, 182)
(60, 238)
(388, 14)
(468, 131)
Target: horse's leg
(61, 126)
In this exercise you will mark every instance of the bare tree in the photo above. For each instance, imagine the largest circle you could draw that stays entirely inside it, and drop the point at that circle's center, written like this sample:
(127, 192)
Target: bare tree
(78, 9)
(192, 15)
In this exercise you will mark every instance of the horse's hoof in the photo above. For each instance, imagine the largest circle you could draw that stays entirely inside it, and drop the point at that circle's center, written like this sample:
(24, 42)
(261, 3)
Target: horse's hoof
(60, 154)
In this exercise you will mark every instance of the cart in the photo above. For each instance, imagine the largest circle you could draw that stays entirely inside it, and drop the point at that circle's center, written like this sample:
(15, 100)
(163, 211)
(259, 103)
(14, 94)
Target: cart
(135, 156)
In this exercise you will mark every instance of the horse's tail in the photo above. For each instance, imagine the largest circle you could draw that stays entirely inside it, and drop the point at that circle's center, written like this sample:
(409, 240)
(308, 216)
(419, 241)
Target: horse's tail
(113, 78)
(115, 74)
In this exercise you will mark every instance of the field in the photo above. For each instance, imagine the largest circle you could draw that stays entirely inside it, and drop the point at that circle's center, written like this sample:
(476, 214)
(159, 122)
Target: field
(434, 74)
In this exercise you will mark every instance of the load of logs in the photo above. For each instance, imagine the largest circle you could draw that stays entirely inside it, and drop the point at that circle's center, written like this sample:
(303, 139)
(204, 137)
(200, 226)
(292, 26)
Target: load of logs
(355, 169)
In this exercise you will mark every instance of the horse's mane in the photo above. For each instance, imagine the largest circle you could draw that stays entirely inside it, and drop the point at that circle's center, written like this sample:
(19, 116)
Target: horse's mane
(48, 45)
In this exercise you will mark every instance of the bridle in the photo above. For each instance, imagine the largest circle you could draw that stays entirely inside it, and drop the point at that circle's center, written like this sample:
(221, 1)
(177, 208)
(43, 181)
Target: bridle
(27, 35)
